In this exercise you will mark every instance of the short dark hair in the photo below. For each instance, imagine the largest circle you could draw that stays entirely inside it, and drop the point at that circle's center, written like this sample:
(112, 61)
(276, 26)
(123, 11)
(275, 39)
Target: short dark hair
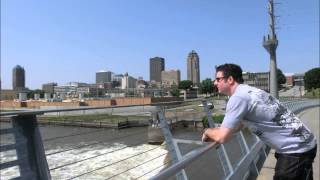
(231, 70)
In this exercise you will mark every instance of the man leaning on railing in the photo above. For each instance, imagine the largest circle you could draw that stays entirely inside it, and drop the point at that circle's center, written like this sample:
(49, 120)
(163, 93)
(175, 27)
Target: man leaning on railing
(274, 124)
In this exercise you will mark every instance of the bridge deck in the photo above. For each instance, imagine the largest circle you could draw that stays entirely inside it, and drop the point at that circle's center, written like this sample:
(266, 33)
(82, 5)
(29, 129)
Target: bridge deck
(311, 118)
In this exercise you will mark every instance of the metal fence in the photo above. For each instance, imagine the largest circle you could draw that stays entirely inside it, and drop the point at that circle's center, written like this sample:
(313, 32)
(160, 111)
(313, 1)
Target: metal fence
(81, 143)
(241, 158)
(96, 143)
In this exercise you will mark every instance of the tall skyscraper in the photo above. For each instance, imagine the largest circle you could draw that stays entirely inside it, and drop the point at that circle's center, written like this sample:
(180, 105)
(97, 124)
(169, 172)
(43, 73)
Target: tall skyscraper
(18, 78)
(103, 76)
(193, 70)
(156, 66)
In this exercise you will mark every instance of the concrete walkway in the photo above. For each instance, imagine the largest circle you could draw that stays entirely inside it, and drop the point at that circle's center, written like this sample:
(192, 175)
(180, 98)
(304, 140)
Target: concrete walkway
(311, 118)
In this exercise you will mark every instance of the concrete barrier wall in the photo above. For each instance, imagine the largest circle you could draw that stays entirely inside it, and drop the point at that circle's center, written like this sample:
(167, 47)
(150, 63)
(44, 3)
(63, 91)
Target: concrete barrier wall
(11, 104)
(165, 99)
(38, 104)
(132, 101)
(106, 102)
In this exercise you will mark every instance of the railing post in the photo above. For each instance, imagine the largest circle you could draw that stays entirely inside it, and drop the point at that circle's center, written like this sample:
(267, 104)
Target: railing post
(30, 151)
(223, 156)
(174, 153)
(244, 146)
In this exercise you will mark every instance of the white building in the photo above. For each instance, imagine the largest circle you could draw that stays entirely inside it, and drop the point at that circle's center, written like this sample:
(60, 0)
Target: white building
(128, 82)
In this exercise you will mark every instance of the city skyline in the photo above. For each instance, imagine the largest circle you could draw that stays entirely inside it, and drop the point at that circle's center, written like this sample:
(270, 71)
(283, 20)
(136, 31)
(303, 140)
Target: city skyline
(58, 41)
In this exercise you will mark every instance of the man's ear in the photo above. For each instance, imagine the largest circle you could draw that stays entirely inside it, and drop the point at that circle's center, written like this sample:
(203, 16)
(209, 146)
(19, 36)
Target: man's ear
(230, 80)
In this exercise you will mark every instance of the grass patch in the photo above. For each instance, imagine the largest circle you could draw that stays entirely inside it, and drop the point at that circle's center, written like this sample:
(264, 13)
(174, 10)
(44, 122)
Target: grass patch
(313, 93)
(218, 118)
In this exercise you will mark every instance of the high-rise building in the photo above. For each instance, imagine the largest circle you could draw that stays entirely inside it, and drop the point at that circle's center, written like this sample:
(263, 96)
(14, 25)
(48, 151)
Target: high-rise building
(18, 78)
(193, 71)
(157, 65)
(170, 78)
(49, 87)
(103, 76)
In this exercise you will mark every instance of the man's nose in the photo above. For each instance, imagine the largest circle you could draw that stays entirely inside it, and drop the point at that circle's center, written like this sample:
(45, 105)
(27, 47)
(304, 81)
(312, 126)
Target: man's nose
(215, 83)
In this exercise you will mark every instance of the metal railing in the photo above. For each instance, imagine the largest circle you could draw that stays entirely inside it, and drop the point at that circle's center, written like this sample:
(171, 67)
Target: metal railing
(246, 167)
(34, 161)
(27, 155)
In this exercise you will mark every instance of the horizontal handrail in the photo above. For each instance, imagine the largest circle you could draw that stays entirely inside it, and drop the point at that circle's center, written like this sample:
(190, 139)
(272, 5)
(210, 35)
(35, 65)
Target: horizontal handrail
(42, 111)
(186, 160)
(29, 112)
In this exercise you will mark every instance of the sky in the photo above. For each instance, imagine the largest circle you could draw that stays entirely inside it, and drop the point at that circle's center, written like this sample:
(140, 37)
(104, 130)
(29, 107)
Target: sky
(70, 40)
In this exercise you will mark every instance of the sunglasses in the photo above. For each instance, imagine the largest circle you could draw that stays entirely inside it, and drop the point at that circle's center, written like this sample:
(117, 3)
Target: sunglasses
(218, 79)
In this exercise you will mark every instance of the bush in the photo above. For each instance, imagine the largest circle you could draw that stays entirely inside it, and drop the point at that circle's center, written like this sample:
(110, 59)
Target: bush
(175, 92)
(216, 118)
(312, 79)
(313, 93)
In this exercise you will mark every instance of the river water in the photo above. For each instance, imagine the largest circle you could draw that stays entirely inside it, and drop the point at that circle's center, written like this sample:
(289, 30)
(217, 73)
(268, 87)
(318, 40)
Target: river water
(97, 153)
(90, 153)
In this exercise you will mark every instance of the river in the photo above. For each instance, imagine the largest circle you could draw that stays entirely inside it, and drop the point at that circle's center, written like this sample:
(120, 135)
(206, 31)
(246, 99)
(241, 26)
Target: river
(97, 153)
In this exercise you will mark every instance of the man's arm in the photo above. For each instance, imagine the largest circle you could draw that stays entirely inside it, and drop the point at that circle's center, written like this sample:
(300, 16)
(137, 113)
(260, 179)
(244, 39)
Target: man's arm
(220, 135)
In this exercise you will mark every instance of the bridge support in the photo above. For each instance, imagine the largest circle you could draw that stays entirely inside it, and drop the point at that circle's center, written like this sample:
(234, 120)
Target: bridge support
(30, 151)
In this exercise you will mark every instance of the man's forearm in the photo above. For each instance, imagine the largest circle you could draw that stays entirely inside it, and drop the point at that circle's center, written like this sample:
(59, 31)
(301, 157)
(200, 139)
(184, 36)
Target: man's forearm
(220, 134)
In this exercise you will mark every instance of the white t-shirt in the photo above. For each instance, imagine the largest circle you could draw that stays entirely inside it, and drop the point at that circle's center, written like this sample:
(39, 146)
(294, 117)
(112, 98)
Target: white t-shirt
(274, 124)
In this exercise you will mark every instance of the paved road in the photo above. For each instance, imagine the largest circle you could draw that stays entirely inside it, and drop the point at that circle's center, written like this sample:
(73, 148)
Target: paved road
(311, 118)
(295, 91)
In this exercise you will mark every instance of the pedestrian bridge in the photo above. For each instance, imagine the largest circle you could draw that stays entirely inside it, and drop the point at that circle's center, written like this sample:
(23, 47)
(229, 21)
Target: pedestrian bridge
(62, 143)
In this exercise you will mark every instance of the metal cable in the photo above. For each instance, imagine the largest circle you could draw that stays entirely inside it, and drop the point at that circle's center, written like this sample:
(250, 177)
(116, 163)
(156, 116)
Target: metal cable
(114, 163)
(138, 165)
(77, 147)
(153, 169)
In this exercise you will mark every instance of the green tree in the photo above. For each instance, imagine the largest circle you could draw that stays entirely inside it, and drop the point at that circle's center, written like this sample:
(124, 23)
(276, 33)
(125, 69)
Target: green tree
(312, 79)
(36, 91)
(281, 78)
(207, 86)
(175, 92)
(185, 84)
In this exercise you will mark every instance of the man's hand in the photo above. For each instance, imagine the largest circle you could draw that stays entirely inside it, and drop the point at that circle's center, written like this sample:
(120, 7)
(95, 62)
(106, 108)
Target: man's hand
(220, 135)
(205, 138)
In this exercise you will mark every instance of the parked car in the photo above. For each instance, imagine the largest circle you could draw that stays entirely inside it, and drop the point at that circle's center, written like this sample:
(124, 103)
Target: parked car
(209, 105)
